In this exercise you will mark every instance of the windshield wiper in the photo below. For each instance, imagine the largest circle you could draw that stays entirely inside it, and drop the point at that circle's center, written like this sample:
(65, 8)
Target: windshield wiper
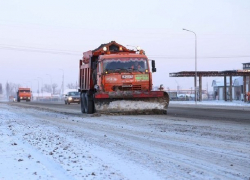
(118, 69)
(124, 70)
(137, 70)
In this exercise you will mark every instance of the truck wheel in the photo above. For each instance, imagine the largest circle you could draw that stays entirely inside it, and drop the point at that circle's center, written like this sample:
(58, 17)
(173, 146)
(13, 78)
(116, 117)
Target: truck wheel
(89, 105)
(82, 98)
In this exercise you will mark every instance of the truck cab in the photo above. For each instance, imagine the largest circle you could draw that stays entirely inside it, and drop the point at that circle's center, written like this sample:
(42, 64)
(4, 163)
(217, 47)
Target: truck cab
(123, 72)
(24, 94)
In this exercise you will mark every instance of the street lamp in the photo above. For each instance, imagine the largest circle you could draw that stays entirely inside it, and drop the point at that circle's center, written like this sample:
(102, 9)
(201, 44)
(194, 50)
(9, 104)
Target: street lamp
(50, 81)
(195, 79)
(51, 85)
(62, 81)
(38, 87)
(42, 86)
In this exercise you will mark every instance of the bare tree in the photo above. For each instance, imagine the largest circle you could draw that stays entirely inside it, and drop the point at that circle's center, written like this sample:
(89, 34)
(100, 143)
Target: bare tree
(7, 88)
(47, 88)
(72, 86)
(11, 89)
(54, 86)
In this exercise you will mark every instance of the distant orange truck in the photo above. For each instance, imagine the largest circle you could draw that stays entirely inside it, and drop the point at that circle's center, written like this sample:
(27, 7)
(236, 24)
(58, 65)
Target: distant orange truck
(23, 94)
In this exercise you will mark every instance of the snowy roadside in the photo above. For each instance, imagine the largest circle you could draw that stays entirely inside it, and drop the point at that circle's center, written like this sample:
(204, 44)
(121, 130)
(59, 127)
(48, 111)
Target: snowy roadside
(36, 150)
(239, 105)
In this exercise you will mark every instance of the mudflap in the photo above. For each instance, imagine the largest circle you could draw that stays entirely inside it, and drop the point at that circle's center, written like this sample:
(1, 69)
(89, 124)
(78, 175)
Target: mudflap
(135, 105)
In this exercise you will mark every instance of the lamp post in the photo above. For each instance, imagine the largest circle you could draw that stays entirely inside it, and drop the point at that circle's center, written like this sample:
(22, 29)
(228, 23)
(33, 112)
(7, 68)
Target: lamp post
(37, 88)
(42, 86)
(50, 81)
(62, 81)
(195, 79)
(50, 84)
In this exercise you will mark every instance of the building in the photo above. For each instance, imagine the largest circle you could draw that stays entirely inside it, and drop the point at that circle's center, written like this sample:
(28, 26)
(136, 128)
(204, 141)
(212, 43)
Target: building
(246, 66)
(237, 86)
(241, 82)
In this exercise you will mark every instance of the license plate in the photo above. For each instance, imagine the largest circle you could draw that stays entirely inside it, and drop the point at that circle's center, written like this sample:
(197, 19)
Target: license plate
(127, 76)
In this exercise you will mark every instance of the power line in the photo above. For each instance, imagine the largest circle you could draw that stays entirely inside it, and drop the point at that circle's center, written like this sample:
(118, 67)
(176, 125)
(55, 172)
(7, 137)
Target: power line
(212, 57)
(50, 51)
(28, 47)
(76, 53)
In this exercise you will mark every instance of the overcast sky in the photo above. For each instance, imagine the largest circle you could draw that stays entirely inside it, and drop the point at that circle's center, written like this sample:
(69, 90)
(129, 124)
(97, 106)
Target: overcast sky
(48, 36)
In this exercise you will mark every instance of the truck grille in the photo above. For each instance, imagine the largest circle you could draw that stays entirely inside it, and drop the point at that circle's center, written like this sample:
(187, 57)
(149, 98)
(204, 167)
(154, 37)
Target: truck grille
(127, 87)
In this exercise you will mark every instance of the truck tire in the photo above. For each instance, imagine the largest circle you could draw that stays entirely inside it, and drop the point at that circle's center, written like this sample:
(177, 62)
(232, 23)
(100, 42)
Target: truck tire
(89, 104)
(82, 97)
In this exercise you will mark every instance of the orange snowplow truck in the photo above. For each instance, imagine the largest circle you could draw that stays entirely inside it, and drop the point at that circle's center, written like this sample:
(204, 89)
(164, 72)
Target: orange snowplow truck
(23, 94)
(113, 78)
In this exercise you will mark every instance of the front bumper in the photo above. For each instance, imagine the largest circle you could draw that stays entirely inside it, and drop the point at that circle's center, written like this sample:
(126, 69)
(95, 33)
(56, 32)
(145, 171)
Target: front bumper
(129, 94)
(24, 98)
(74, 100)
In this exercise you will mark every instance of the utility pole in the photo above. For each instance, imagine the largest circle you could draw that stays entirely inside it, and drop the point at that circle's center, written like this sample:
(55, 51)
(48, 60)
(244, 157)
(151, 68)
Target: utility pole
(195, 79)
(62, 81)
(50, 85)
(37, 88)
(42, 86)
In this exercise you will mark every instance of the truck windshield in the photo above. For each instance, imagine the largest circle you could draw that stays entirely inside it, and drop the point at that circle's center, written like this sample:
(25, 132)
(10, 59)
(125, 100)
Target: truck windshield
(125, 64)
(24, 91)
(74, 94)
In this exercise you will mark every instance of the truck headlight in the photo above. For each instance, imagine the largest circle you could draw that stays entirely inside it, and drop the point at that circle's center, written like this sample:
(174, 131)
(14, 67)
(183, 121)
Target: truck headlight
(21, 97)
(70, 98)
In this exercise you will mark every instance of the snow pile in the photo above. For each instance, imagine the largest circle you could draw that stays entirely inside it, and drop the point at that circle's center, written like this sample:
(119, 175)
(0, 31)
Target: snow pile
(127, 105)
(213, 103)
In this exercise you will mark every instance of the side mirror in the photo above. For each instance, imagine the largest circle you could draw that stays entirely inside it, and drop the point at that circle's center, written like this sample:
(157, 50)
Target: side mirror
(66, 95)
(153, 66)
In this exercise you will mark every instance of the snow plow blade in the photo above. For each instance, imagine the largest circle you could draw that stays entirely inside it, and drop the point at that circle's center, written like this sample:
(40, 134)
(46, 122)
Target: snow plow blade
(154, 102)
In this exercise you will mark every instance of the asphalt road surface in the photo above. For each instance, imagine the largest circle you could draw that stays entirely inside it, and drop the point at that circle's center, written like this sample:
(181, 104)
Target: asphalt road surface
(183, 111)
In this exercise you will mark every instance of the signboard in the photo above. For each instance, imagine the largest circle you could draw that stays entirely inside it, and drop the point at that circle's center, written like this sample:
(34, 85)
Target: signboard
(141, 77)
(127, 76)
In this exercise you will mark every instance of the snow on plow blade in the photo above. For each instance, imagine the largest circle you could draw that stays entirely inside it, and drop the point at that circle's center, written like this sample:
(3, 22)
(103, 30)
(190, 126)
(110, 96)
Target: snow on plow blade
(153, 102)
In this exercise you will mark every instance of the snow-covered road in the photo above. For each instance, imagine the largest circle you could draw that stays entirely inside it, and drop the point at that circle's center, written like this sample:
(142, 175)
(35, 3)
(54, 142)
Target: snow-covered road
(38, 144)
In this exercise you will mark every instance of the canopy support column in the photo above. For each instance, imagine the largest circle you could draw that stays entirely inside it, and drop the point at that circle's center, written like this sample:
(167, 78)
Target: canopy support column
(225, 87)
(200, 88)
(230, 89)
(244, 88)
